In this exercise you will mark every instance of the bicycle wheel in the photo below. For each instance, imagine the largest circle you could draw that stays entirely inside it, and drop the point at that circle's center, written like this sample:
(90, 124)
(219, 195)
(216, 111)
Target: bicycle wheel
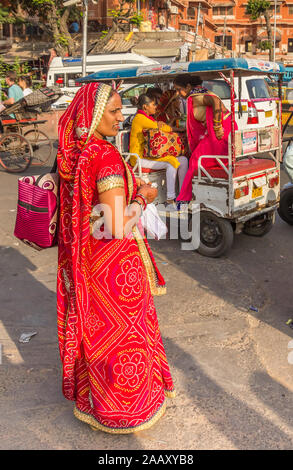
(41, 144)
(15, 153)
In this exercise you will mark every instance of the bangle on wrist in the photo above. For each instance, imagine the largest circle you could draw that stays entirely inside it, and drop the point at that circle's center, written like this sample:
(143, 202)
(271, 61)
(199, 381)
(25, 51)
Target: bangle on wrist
(140, 205)
(140, 196)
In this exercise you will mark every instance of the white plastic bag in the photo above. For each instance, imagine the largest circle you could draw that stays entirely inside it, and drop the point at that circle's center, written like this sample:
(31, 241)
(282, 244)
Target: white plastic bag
(152, 222)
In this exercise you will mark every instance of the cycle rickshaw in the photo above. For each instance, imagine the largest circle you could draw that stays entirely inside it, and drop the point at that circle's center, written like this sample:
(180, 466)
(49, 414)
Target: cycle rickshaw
(22, 143)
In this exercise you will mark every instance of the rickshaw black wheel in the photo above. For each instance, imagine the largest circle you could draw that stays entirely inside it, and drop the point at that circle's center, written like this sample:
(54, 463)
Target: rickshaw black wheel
(216, 235)
(285, 209)
(42, 146)
(259, 226)
(15, 153)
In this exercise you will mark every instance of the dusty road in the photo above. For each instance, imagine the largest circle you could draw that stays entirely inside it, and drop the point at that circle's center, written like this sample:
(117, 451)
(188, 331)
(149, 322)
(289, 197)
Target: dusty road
(230, 364)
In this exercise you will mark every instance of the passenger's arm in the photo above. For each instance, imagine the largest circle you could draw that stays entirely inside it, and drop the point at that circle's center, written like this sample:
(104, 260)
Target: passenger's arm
(8, 101)
(119, 219)
(216, 103)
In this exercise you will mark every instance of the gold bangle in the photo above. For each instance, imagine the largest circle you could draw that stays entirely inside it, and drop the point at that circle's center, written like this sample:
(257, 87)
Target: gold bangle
(140, 204)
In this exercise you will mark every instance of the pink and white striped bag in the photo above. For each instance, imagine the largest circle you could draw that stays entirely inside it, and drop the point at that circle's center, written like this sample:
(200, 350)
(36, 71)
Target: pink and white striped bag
(37, 210)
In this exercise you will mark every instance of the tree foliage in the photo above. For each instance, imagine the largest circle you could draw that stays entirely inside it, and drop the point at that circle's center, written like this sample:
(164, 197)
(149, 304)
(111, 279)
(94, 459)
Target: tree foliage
(5, 16)
(256, 9)
(51, 16)
(124, 14)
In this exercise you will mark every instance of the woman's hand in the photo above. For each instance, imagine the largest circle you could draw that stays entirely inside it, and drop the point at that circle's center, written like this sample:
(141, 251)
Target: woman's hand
(148, 192)
(219, 132)
(161, 124)
(139, 182)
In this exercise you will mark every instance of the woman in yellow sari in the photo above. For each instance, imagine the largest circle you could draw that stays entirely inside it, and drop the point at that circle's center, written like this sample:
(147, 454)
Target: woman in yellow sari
(144, 120)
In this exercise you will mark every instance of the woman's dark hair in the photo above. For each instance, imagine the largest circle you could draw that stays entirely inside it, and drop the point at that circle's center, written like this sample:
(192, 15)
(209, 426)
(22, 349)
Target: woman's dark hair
(144, 99)
(27, 80)
(12, 75)
(154, 92)
(186, 79)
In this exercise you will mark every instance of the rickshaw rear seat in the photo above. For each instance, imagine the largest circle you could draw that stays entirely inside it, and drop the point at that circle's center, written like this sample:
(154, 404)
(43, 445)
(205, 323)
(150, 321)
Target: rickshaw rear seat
(15, 121)
(242, 168)
(252, 165)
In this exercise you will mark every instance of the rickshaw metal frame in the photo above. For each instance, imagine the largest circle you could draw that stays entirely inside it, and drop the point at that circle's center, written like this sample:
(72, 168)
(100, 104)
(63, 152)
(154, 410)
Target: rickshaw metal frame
(216, 194)
(232, 154)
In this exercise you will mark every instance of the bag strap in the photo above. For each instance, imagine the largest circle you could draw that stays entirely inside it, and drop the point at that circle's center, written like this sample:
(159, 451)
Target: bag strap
(53, 170)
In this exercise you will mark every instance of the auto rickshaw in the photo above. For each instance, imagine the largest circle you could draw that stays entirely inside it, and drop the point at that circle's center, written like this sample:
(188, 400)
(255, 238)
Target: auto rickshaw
(242, 193)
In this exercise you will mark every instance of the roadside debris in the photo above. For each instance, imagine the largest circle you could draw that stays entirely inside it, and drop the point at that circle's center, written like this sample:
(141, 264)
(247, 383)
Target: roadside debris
(25, 337)
(255, 309)
(290, 323)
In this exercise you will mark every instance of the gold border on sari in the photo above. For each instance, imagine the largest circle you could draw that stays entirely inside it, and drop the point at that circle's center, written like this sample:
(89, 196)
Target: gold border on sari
(146, 259)
(110, 182)
(96, 426)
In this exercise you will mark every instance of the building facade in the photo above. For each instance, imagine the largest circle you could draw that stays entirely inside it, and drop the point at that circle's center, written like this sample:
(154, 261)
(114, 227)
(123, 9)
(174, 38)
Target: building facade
(225, 23)
(245, 37)
(221, 22)
(179, 15)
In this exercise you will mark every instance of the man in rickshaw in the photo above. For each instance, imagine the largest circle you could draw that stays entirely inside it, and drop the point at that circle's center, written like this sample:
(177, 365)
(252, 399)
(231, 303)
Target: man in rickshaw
(14, 93)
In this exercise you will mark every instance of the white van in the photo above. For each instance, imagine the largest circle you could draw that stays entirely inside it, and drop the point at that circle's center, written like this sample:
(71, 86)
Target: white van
(64, 71)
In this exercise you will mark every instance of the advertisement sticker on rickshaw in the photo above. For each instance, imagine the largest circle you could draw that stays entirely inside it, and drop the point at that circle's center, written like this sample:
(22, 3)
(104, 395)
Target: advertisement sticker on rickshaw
(246, 142)
(262, 65)
(265, 139)
(161, 69)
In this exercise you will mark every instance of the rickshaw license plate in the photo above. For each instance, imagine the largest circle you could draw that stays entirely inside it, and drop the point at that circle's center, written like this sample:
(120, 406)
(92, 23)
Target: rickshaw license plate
(268, 114)
(256, 192)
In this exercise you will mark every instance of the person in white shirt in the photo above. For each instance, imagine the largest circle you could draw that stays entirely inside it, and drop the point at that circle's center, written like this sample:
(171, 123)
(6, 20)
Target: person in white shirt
(25, 83)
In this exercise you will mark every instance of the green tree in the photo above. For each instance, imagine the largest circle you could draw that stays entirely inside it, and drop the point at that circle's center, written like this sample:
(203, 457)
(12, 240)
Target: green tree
(5, 17)
(52, 17)
(123, 15)
(256, 9)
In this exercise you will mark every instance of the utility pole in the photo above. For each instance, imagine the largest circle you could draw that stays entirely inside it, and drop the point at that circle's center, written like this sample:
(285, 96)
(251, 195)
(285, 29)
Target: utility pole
(224, 35)
(275, 28)
(196, 30)
(85, 5)
(84, 36)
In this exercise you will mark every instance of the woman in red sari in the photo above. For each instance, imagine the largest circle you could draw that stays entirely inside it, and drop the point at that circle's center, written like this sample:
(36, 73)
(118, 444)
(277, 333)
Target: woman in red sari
(114, 364)
(208, 127)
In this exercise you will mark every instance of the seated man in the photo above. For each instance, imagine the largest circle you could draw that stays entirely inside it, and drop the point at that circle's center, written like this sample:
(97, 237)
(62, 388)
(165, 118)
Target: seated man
(15, 93)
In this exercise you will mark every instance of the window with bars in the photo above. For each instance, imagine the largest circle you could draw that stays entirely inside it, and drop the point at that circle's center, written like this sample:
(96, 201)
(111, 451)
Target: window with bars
(190, 13)
(223, 11)
(227, 41)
